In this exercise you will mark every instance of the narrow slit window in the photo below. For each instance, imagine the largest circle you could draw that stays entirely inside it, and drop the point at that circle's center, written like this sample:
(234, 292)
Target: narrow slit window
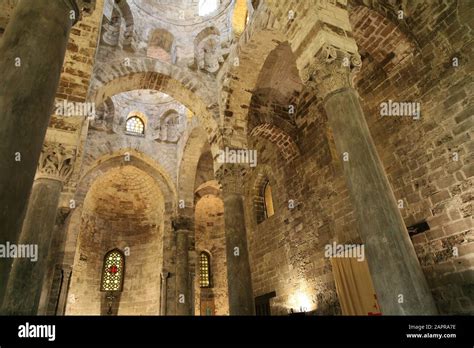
(268, 198)
(205, 270)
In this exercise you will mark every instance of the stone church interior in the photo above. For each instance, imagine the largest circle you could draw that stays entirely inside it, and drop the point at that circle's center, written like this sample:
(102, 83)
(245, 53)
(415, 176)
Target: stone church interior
(236, 157)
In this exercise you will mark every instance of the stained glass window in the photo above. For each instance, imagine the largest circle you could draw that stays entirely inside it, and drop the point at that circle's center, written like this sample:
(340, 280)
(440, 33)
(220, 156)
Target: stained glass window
(135, 125)
(112, 271)
(204, 270)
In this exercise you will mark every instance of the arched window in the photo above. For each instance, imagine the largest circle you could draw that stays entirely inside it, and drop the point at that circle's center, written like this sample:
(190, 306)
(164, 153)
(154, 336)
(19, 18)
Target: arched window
(135, 125)
(268, 200)
(112, 271)
(206, 7)
(204, 270)
(263, 200)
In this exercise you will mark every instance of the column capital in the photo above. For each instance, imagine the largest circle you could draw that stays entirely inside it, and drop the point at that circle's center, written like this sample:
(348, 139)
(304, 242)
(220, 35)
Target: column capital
(165, 275)
(332, 69)
(231, 177)
(56, 162)
(182, 223)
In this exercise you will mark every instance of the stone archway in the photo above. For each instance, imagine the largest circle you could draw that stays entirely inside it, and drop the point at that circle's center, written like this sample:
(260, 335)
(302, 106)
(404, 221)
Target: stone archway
(123, 209)
(196, 93)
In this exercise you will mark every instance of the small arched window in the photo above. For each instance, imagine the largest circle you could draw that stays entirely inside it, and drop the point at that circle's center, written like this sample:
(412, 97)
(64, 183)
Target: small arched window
(135, 125)
(268, 200)
(205, 270)
(113, 271)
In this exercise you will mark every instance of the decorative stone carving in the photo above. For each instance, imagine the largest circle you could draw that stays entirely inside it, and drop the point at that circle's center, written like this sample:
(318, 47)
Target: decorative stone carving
(231, 177)
(56, 162)
(332, 70)
(210, 55)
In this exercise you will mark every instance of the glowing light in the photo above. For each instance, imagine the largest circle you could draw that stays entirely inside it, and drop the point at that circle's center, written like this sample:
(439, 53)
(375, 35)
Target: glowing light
(303, 302)
(207, 7)
(300, 301)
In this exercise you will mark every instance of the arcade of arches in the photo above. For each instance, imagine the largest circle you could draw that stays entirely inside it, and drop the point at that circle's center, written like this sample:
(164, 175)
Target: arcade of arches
(233, 157)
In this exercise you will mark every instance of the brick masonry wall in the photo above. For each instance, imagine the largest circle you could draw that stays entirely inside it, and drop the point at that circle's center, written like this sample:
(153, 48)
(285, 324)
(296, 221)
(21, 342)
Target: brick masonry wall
(286, 250)
(429, 161)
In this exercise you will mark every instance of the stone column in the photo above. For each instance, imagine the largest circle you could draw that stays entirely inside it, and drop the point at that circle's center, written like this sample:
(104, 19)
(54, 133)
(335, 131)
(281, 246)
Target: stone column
(193, 292)
(164, 292)
(26, 277)
(32, 52)
(396, 273)
(239, 279)
(65, 281)
(183, 227)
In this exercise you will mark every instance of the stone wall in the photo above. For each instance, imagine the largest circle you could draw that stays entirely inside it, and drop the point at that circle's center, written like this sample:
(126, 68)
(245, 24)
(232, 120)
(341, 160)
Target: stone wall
(210, 237)
(124, 210)
(311, 210)
(428, 162)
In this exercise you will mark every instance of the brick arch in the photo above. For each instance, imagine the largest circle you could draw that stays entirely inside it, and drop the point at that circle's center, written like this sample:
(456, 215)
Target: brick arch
(107, 162)
(211, 187)
(146, 73)
(389, 12)
(283, 141)
(271, 25)
(260, 37)
(380, 37)
(258, 180)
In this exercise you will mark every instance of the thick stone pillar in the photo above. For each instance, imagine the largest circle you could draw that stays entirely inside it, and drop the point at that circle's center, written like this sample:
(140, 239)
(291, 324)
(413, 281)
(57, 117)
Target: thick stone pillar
(65, 282)
(396, 273)
(239, 279)
(32, 51)
(183, 227)
(26, 277)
